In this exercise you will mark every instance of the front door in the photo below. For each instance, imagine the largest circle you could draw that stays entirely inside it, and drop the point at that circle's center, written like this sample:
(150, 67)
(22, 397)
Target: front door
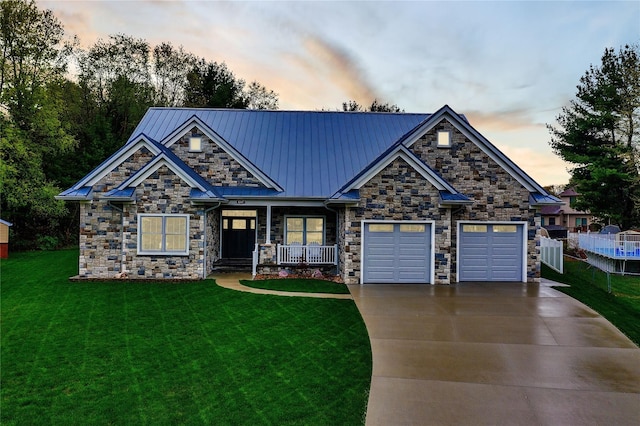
(238, 236)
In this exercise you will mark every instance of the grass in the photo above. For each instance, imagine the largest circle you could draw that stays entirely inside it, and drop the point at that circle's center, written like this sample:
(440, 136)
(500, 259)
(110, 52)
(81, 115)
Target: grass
(302, 285)
(159, 353)
(589, 285)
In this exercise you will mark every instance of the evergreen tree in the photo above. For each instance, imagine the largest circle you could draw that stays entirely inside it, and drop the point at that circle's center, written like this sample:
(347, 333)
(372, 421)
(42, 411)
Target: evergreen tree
(599, 134)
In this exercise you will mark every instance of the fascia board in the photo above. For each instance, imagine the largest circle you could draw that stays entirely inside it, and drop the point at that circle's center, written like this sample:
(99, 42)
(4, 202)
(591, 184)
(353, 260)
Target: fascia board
(174, 136)
(476, 137)
(115, 160)
(400, 152)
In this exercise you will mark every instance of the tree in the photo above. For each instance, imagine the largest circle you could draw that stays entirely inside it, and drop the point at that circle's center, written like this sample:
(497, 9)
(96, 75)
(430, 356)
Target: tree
(213, 85)
(117, 89)
(599, 133)
(34, 58)
(353, 106)
(170, 69)
(259, 97)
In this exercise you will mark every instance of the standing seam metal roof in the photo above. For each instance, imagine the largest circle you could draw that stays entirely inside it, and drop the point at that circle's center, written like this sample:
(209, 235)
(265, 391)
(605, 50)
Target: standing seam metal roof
(309, 154)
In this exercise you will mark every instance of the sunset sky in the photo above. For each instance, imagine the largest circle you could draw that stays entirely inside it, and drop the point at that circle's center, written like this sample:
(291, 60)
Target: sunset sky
(508, 66)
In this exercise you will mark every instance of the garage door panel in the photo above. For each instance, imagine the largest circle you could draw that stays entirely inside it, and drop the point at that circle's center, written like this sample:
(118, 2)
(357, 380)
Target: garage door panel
(491, 252)
(397, 255)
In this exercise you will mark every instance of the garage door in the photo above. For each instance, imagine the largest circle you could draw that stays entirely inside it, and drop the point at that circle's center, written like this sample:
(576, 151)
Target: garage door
(397, 253)
(490, 252)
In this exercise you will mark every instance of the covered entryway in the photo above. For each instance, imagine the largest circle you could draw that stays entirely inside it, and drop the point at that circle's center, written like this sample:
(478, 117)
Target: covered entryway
(397, 252)
(491, 251)
(238, 233)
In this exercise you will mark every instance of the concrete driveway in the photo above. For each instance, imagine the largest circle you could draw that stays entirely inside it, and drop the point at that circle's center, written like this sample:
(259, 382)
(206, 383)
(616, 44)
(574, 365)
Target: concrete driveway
(495, 353)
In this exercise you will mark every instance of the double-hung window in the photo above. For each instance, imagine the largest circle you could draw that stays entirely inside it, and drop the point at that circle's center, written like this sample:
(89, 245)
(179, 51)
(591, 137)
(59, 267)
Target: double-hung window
(163, 234)
(304, 230)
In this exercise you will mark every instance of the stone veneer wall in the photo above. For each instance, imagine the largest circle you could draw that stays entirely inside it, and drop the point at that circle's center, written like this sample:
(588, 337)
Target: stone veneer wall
(108, 236)
(101, 228)
(398, 192)
(496, 194)
(100, 240)
(213, 163)
(212, 229)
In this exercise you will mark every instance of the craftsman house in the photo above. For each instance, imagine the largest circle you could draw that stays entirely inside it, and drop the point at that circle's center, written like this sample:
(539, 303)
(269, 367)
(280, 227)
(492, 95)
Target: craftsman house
(373, 197)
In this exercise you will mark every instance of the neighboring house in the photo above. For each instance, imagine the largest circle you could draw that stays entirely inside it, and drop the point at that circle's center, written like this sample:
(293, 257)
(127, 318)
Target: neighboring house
(566, 216)
(377, 197)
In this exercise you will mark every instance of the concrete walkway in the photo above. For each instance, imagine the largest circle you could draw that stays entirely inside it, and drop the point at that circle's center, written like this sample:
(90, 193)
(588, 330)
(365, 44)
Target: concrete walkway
(232, 282)
(491, 353)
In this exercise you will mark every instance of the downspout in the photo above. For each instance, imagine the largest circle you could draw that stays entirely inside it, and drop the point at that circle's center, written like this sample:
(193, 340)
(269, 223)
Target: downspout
(204, 260)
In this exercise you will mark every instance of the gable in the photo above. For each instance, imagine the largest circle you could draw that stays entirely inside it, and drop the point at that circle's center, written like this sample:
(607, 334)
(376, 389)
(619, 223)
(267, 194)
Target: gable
(214, 163)
(222, 149)
(112, 177)
(463, 133)
(397, 188)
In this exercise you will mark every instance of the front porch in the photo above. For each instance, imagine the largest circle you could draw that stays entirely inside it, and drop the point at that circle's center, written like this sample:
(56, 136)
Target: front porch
(273, 238)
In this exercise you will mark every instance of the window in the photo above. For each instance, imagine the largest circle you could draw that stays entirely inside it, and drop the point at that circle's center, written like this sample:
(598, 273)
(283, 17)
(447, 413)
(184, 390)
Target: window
(239, 213)
(412, 228)
(552, 221)
(381, 227)
(581, 221)
(474, 228)
(195, 144)
(444, 139)
(304, 230)
(505, 228)
(163, 234)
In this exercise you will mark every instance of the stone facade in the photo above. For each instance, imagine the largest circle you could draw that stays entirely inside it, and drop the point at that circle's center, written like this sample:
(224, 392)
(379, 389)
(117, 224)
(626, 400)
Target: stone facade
(213, 163)
(109, 231)
(397, 193)
(496, 195)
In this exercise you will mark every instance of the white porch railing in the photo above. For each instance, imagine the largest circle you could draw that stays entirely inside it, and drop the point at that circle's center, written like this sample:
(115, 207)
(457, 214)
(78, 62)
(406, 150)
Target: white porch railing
(551, 253)
(309, 255)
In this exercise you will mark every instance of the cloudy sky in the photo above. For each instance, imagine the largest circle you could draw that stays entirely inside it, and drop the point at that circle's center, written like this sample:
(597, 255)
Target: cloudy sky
(509, 66)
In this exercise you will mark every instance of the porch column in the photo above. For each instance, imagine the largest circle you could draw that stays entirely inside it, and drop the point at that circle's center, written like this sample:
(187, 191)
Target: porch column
(268, 224)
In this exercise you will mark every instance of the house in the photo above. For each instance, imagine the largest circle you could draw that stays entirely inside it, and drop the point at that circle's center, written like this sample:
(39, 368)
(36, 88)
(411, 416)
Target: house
(565, 216)
(375, 197)
(4, 238)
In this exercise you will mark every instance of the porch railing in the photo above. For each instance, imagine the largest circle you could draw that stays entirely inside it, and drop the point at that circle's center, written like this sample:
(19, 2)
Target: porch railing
(309, 254)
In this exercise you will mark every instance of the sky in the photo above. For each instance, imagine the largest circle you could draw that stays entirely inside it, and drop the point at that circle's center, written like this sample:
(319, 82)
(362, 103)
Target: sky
(508, 66)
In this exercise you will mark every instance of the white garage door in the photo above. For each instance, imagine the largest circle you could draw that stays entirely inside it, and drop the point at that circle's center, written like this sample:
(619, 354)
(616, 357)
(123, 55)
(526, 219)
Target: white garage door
(490, 252)
(397, 253)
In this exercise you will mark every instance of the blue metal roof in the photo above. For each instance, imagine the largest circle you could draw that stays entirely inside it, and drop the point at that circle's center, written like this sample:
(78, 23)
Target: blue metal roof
(538, 199)
(309, 154)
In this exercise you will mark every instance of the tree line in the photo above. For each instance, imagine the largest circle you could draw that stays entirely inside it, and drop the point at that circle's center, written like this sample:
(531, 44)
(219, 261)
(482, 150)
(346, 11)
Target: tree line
(64, 109)
(55, 128)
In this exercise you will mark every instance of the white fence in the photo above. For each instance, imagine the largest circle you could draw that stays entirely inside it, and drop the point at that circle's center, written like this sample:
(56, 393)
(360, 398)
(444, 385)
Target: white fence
(551, 253)
(617, 246)
(309, 255)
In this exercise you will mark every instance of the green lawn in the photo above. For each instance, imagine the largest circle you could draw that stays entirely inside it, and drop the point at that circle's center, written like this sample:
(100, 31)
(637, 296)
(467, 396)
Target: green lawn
(300, 285)
(160, 353)
(589, 285)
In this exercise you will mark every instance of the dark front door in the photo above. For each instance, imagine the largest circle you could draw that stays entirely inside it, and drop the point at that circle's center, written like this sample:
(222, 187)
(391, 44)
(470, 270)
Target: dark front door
(238, 237)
